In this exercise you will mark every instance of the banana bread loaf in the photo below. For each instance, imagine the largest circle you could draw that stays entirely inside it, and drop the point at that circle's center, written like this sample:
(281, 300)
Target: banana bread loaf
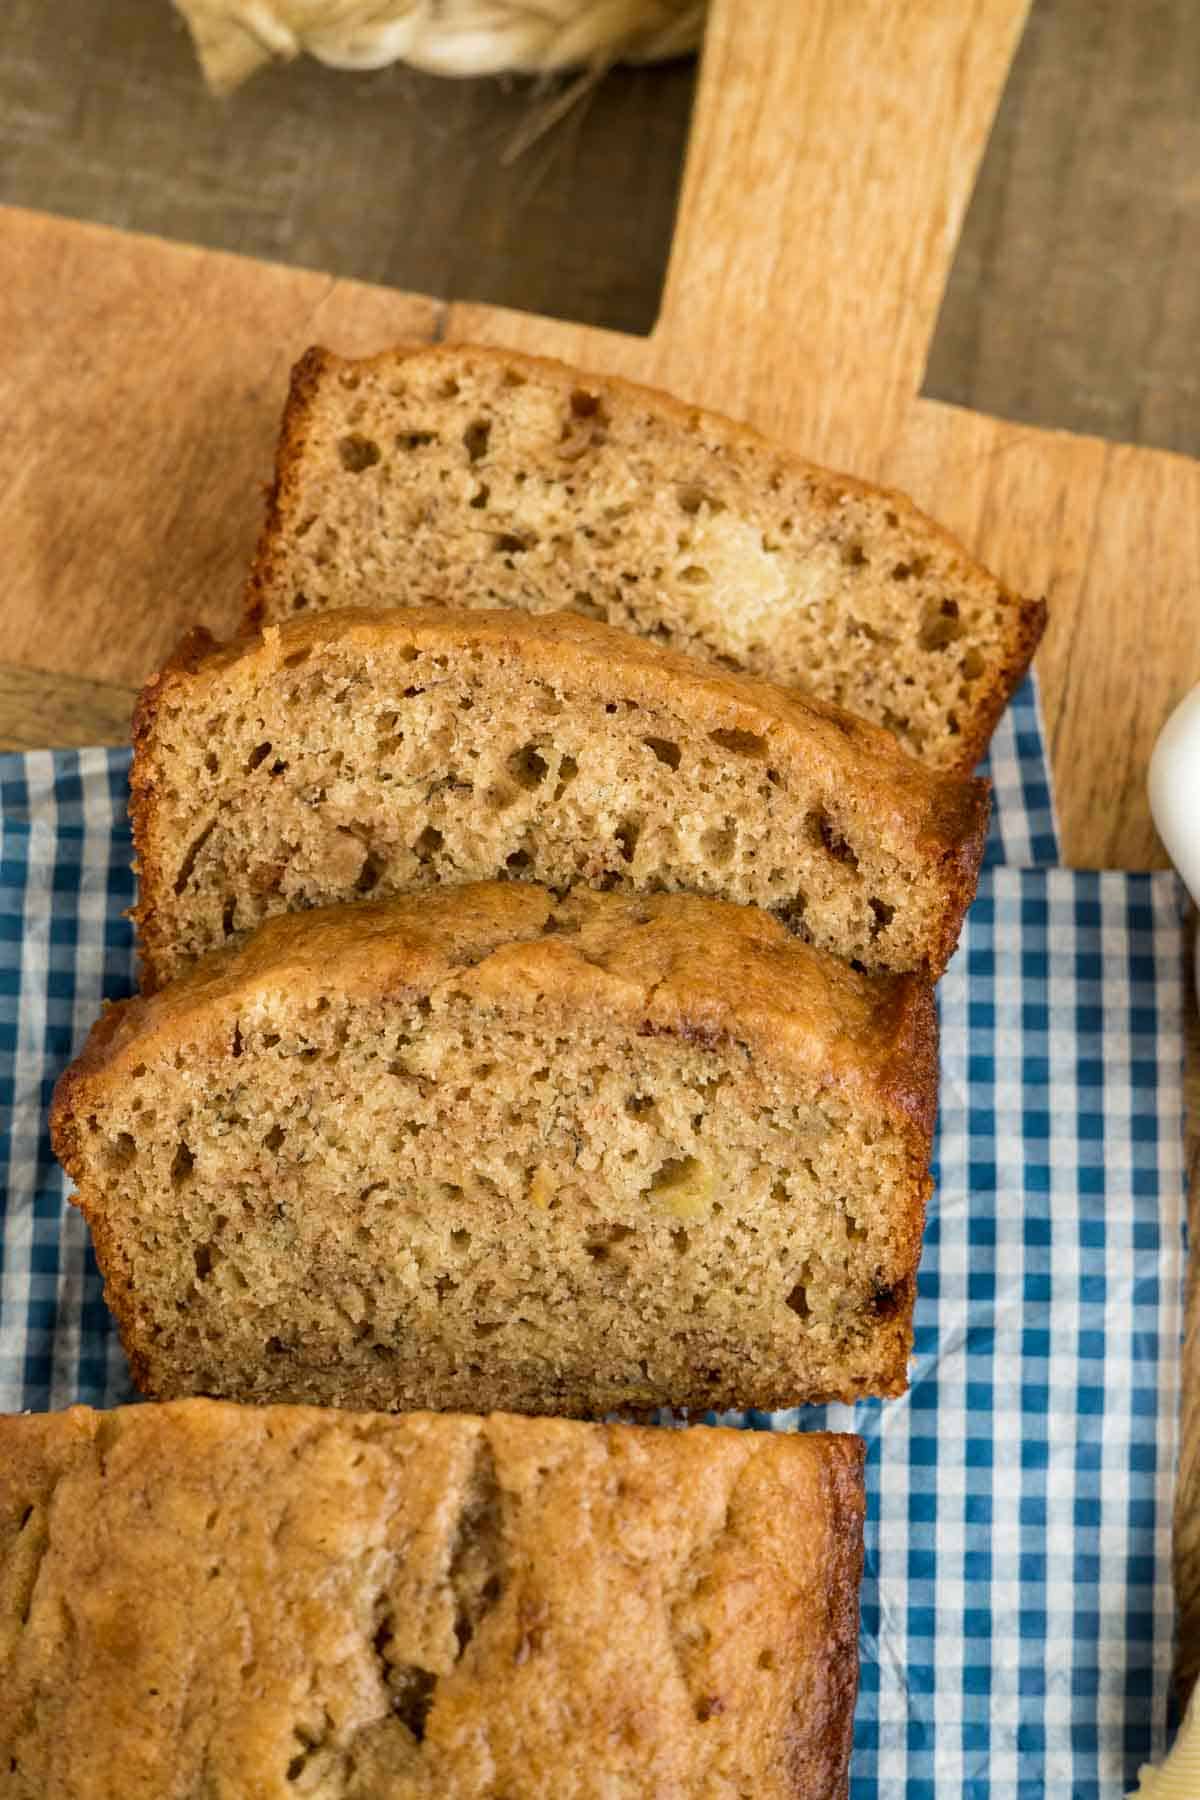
(480, 1148)
(361, 752)
(469, 477)
(204, 1600)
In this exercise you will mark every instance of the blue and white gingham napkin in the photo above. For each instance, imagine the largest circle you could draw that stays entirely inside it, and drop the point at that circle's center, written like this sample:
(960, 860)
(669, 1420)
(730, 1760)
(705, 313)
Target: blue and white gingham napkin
(1017, 1605)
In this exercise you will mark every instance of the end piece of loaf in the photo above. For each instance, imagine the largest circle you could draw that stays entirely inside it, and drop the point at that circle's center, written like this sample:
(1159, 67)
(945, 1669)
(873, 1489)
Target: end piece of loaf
(483, 1149)
(476, 477)
(207, 1599)
(367, 752)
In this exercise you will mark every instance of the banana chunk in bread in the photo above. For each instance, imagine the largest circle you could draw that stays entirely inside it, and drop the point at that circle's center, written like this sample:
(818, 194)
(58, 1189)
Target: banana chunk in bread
(471, 477)
(378, 753)
(280, 1601)
(482, 1148)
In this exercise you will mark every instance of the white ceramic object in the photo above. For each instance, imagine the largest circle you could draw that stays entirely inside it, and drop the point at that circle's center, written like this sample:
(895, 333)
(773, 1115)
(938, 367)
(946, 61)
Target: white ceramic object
(1175, 793)
(1175, 803)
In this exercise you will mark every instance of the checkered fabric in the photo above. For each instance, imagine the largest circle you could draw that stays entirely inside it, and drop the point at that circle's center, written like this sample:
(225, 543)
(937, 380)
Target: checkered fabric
(1023, 833)
(1017, 1608)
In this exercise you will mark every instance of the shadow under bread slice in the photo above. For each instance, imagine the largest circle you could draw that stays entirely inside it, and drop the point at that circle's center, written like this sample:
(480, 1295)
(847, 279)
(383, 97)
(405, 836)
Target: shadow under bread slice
(377, 753)
(209, 1599)
(465, 476)
(485, 1148)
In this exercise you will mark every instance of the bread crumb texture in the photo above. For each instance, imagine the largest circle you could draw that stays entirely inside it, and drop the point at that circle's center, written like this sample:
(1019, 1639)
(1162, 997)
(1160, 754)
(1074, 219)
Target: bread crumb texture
(378, 753)
(486, 1148)
(202, 1599)
(473, 477)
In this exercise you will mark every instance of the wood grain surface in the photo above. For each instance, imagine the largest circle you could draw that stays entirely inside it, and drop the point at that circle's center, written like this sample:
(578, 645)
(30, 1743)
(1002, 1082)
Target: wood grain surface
(1073, 299)
(388, 176)
(141, 385)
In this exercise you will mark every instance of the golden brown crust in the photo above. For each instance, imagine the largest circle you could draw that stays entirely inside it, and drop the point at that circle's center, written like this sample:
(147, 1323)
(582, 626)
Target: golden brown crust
(202, 1595)
(1022, 620)
(1026, 626)
(944, 816)
(701, 970)
(303, 387)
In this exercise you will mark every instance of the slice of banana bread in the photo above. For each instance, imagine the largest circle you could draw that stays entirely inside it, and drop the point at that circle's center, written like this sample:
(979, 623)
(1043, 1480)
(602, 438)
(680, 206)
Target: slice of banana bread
(360, 752)
(202, 1599)
(480, 1148)
(469, 477)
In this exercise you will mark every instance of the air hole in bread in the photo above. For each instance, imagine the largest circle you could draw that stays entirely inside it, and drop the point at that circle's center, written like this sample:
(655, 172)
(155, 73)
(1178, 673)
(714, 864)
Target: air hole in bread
(588, 406)
(481, 496)
(258, 755)
(568, 769)
(448, 389)
(833, 841)
(742, 743)
(506, 543)
(691, 499)
(518, 862)
(182, 1165)
(853, 556)
(368, 876)
(791, 912)
(121, 1151)
(205, 1256)
(860, 628)
(695, 575)
(412, 1691)
(972, 665)
(797, 1300)
(718, 844)
(475, 438)
(627, 834)
(189, 861)
(415, 440)
(886, 1302)
(358, 453)
(527, 768)
(663, 748)
(428, 844)
(881, 916)
(211, 763)
(941, 625)
(274, 1138)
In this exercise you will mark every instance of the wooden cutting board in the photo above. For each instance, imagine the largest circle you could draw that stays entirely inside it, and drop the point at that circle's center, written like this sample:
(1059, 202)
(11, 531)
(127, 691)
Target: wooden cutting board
(833, 151)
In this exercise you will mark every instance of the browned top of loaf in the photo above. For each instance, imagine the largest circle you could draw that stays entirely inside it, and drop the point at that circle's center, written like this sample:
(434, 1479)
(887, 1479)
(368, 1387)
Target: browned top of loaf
(702, 969)
(942, 817)
(200, 1597)
(915, 556)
